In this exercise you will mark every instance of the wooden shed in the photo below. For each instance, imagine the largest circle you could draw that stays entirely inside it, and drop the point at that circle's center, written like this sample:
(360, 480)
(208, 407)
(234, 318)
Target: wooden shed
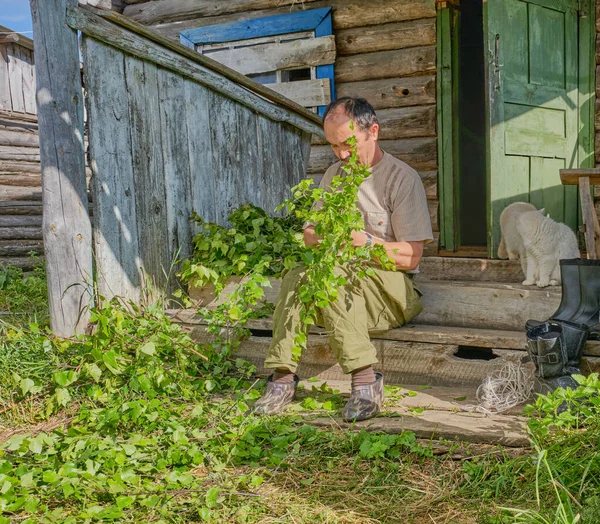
(487, 100)
(20, 180)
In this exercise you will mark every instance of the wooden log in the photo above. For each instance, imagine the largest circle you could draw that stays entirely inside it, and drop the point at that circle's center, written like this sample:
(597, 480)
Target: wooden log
(17, 117)
(22, 207)
(419, 153)
(407, 122)
(20, 232)
(385, 64)
(392, 92)
(346, 13)
(16, 193)
(262, 58)
(307, 93)
(11, 166)
(16, 138)
(191, 64)
(13, 248)
(24, 263)
(431, 249)
(386, 36)
(20, 179)
(67, 228)
(28, 154)
(20, 221)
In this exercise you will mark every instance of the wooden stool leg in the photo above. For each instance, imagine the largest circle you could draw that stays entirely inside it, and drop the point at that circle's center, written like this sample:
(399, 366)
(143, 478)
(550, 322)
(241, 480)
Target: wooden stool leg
(590, 219)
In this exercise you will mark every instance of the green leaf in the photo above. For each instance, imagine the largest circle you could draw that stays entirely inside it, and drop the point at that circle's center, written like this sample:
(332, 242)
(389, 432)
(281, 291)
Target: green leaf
(148, 349)
(26, 385)
(110, 359)
(212, 497)
(124, 501)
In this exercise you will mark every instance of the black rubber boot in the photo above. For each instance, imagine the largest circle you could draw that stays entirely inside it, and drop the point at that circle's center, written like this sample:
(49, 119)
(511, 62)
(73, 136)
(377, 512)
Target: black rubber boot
(555, 348)
(571, 292)
(589, 308)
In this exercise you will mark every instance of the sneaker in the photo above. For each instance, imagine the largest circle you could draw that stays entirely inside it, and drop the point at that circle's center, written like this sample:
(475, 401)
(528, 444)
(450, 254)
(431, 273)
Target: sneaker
(365, 401)
(276, 397)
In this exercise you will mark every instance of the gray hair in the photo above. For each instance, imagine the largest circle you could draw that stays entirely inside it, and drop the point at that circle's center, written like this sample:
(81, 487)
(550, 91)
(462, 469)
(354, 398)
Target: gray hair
(357, 108)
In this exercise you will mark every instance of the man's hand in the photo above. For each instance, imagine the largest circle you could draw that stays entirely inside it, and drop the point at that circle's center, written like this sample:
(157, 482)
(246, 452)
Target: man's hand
(311, 239)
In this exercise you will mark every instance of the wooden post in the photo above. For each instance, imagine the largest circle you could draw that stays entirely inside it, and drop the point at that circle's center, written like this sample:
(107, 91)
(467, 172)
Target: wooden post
(66, 224)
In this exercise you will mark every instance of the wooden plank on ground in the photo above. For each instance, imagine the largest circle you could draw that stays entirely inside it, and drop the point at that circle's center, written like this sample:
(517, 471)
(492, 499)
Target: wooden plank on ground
(386, 36)
(116, 232)
(262, 58)
(392, 92)
(385, 64)
(307, 93)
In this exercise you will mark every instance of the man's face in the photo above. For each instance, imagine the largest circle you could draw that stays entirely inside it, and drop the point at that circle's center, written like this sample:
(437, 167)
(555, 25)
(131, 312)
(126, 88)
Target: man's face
(337, 132)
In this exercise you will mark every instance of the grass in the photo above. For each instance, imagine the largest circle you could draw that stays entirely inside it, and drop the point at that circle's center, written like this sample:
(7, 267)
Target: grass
(136, 423)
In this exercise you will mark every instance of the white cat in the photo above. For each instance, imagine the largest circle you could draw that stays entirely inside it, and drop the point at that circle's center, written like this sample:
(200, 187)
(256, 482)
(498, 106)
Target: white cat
(538, 241)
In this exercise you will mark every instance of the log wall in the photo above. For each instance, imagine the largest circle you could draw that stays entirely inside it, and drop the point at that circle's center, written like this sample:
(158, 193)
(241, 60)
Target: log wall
(385, 52)
(20, 174)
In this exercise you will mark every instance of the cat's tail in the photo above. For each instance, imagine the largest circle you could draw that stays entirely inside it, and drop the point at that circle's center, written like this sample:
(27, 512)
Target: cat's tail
(502, 253)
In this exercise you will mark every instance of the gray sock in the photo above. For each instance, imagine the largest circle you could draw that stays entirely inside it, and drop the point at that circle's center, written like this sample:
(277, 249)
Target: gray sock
(283, 376)
(363, 376)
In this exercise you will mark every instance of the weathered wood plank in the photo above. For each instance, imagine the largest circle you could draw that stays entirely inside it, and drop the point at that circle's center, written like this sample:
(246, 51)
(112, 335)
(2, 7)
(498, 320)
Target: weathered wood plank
(13, 248)
(177, 175)
(116, 240)
(5, 102)
(294, 150)
(419, 153)
(470, 269)
(191, 64)
(20, 179)
(20, 207)
(20, 232)
(15, 78)
(392, 92)
(24, 263)
(66, 224)
(10, 193)
(261, 58)
(28, 73)
(20, 220)
(307, 93)
(17, 138)
(482, 305)
(572, 176)
(385, 64)
(407, 122)
(386, 36)
(17, 117)
(346, 13)
(148, 169)
(590, 219)
(226, 143)
(29, 154)
(203, 201)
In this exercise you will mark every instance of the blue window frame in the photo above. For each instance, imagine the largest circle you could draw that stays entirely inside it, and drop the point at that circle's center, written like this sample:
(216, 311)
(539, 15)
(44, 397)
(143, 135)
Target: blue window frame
(317, 20)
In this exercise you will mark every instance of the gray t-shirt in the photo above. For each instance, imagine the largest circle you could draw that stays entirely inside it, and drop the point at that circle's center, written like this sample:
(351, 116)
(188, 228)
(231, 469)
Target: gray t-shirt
(392, 201)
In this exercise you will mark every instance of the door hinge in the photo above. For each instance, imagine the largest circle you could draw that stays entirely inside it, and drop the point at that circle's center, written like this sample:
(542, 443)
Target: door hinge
(441, 4)
(584, 8)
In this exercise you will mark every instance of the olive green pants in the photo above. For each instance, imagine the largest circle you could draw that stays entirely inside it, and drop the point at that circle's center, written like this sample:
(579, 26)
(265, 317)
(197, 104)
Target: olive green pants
(364, 306)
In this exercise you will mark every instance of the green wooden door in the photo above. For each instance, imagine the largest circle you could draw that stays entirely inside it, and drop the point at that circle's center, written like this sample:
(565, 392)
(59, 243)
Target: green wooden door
(532, 82)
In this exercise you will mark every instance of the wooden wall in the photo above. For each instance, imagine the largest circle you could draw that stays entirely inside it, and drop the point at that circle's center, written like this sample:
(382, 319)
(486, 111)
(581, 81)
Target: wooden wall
(20, 176)
(171, 132)
(386, 52)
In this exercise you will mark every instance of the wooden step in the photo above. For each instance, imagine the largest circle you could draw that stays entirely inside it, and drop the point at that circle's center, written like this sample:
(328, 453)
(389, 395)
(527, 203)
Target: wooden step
(470, 269)
(480, 305)
(459, 336)
(401, 362)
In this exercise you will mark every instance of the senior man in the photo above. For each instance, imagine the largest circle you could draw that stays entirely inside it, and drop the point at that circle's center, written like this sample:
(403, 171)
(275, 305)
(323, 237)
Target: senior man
(394, 207)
